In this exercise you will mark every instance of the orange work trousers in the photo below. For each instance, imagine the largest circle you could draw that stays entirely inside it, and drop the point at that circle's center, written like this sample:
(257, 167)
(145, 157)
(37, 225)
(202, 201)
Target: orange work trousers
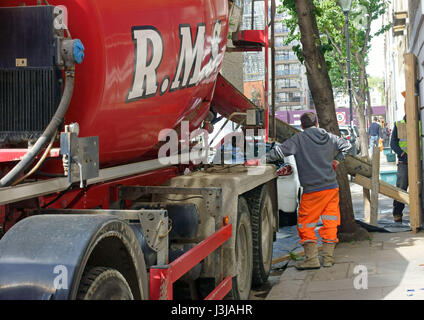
(324, 204)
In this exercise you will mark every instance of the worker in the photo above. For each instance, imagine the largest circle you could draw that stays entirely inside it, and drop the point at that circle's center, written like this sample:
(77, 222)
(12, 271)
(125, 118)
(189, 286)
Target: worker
(314, 150)
(399, 145)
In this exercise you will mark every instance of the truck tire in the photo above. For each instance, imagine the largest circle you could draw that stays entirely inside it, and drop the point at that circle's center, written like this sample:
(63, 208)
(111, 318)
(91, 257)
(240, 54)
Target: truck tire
(100, 283)
(242, 283)
(261, 209)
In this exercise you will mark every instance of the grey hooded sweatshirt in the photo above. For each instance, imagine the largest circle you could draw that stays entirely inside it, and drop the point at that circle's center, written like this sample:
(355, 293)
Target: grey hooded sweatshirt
(314, 150)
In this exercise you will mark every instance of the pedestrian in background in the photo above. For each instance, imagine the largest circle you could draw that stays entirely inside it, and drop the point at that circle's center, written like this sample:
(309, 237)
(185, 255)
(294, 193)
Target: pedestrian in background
(374, 133)
(315, 150)
(386, 135)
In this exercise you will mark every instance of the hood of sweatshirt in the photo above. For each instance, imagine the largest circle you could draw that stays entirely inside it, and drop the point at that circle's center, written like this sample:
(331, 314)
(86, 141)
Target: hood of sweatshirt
(317, 135)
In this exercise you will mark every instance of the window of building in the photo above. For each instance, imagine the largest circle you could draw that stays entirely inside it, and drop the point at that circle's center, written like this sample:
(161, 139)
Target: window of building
(287, 69)
(287, 83)
(283, 97)
(285, 55)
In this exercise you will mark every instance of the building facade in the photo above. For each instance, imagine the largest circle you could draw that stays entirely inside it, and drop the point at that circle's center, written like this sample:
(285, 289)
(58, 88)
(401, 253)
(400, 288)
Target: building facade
(291, 87)
(396, 44)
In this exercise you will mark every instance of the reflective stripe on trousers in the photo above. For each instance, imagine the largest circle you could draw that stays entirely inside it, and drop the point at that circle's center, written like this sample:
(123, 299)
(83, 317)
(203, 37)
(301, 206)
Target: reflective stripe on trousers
(326, 217)
(324, 204)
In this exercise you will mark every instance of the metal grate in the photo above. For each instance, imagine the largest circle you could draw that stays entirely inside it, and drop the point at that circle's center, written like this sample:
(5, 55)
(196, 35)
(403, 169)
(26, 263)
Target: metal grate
(28, 99)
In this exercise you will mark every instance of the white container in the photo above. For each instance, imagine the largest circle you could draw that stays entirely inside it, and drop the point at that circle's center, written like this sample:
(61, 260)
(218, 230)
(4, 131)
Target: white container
(288, 188)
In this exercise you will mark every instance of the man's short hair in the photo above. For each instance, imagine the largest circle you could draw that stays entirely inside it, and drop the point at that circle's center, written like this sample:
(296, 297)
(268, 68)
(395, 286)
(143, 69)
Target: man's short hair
(375, 119)
(308, 119)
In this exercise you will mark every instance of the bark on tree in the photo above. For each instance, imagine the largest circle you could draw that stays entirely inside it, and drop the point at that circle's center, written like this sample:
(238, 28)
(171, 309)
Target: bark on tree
(322, 93)
(360, 104)
(369, 104)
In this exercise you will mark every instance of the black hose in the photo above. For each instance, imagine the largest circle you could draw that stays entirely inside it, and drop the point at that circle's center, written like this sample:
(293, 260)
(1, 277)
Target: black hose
(47, 135)
(60, 195)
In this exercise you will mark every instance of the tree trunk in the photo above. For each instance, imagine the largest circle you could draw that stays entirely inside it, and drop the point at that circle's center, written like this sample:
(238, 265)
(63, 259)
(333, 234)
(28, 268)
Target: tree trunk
(322, 93)
(362, 125)
(369, 105)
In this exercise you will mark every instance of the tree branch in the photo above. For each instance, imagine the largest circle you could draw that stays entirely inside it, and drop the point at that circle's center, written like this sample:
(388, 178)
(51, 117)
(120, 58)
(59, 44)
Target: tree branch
(339, 51)
(341, 67)
(360, 64)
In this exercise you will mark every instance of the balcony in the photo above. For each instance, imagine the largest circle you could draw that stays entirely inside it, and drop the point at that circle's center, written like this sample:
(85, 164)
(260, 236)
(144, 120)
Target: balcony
(288, 97)
(287, 89)
(287, 72)
(288, 104)
(283, 48)
(399, 22)
(292, 101)
(288, 76)
(285, 57)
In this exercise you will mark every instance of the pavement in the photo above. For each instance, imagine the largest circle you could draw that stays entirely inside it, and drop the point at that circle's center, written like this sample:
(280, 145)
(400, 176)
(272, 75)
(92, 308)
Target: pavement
(389, 265)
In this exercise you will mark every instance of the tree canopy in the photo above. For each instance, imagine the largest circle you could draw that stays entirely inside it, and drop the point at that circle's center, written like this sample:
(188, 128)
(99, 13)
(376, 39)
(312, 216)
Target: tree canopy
(331, 24)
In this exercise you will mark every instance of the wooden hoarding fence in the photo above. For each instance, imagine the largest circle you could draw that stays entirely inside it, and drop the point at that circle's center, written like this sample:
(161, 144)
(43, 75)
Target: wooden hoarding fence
(412, 135)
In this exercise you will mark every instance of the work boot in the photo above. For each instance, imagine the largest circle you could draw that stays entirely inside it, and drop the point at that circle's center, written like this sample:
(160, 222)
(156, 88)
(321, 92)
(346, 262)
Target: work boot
(327, 254)
(311, 260)
(397, 218)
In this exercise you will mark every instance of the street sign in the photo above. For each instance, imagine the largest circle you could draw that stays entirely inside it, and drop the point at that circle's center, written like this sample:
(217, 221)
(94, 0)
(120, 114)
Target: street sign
(341, 117)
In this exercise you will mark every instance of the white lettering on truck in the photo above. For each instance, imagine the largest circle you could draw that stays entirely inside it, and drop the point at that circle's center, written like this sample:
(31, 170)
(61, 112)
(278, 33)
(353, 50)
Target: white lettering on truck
(145, 83)
(149, 50)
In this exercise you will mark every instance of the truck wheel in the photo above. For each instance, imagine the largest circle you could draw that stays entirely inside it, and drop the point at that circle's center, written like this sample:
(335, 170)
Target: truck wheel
(261, 209)
(100, 283)
(242, 283)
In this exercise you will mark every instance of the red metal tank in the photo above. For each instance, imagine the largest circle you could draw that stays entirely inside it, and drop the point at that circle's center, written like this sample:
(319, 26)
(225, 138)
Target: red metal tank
(148, 66)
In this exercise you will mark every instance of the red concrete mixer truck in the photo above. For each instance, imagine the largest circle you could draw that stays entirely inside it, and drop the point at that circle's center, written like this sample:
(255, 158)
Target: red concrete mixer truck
(91, 93)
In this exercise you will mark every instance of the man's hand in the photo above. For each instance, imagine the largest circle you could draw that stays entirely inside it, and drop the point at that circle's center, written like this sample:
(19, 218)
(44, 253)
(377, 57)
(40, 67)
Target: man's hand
(335, 164)
(273, 155)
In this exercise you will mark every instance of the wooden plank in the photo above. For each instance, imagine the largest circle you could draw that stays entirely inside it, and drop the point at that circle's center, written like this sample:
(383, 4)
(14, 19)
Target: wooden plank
(412, 135)
(356, 165)
(375, 185)
(367, 203)
(385, 189)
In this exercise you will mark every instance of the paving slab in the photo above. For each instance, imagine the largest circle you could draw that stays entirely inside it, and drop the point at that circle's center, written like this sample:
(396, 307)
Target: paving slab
(370, 294)
(294, 274)
(341, 284)
(337, 272)
(286, 290)
(390, 266)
